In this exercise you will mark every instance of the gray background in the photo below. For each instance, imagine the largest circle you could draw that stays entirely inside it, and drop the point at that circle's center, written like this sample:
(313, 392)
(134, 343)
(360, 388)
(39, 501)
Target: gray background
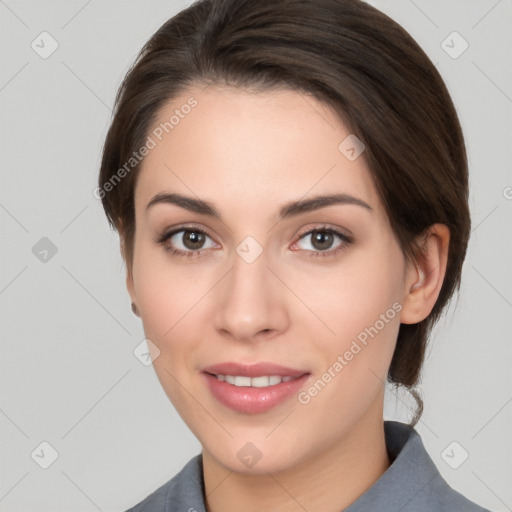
(68, 373)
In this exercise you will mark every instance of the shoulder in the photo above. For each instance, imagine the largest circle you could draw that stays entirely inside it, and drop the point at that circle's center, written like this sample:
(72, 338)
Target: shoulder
(446, 499)
(413, 482)
(183, 490)
(438, 496)
(155, 502)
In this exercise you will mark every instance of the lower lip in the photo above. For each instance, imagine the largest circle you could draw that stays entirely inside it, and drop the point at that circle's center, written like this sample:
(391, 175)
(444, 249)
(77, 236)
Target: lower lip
(253, 400)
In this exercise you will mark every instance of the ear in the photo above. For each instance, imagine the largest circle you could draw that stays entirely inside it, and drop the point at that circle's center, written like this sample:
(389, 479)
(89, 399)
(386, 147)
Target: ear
(425, 276)
(129, 276)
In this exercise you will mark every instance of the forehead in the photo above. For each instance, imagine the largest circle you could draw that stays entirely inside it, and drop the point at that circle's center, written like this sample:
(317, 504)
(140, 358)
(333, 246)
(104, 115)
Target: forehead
(223, 142)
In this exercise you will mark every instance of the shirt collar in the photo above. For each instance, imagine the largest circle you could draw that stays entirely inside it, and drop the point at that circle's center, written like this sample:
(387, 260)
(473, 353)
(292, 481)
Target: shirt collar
(407, 484)
(402, 486)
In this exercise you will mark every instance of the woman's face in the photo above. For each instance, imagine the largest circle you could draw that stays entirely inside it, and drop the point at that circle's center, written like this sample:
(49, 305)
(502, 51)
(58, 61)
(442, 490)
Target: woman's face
(255, 283)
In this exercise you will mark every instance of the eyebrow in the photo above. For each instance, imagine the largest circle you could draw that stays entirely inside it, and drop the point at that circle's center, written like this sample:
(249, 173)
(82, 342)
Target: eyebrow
(289, 210)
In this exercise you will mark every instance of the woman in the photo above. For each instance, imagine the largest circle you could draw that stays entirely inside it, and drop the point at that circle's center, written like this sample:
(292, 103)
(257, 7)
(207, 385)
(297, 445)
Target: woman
(289, 182)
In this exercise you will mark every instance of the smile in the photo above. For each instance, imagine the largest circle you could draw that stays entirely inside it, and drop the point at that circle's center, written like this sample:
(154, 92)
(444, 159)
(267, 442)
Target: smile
(254, 382)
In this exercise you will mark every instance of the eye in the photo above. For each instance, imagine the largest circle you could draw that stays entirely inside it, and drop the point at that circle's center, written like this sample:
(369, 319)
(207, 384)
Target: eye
(324, 240)
(190, 242)
(187, 242)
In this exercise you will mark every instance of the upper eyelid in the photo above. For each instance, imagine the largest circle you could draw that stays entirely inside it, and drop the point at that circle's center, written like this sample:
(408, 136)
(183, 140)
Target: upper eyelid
(172, 231)
(326, 227)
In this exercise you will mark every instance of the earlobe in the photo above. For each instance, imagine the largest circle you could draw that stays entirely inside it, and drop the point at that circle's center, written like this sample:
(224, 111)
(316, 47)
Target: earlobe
(131, 290)
(424, 277)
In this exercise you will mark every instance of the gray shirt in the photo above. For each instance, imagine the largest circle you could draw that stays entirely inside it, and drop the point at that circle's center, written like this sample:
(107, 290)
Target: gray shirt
(411, 483)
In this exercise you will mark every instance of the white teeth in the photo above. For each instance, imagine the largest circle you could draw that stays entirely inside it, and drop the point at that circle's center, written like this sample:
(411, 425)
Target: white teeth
(242, 381)
(255, 382)
(262, 382)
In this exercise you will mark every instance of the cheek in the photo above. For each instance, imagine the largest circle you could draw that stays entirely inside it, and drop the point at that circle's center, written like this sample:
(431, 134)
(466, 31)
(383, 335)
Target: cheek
(352, 296)
(165, 292)
(169, 300)
(359, 306)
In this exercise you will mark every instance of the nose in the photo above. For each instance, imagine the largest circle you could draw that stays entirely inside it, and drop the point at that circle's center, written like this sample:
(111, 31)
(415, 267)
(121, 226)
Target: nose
(251, 302)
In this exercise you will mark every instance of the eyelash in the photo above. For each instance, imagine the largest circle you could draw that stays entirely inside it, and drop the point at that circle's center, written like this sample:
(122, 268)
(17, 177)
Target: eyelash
(345, 239)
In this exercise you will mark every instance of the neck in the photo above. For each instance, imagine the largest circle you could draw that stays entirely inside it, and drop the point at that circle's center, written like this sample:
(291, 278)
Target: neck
(331, 481)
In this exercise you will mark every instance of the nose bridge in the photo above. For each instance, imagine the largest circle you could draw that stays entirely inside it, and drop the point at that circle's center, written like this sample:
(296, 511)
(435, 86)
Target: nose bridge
(252, 300)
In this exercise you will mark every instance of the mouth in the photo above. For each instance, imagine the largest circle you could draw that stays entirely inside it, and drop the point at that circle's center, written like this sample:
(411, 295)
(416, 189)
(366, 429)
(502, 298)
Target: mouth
(253, 389)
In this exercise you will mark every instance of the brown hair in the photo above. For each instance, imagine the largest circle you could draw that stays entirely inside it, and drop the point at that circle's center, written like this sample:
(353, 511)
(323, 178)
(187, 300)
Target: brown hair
(355, 59)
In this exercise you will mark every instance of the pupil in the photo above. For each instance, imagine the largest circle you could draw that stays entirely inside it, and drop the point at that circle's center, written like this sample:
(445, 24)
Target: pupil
(193, 240)
(322, 240)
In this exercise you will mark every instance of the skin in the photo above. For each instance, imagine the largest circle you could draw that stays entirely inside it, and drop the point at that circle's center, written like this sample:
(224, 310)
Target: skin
(248, 154)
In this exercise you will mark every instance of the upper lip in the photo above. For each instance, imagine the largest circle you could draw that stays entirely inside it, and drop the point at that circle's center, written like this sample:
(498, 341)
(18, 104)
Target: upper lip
(253, 370)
